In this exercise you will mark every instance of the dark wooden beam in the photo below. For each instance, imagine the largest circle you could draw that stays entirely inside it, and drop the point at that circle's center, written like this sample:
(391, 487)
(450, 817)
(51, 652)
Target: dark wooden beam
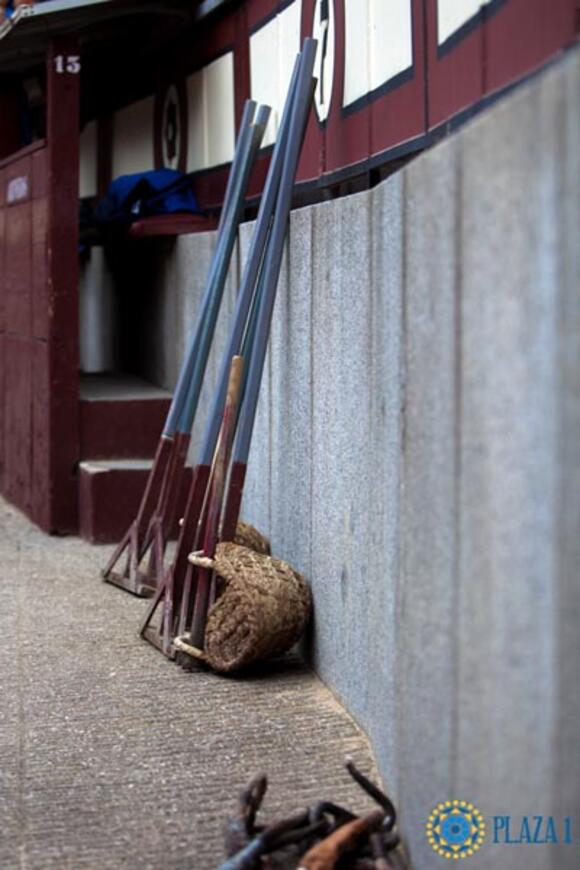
(63, 87)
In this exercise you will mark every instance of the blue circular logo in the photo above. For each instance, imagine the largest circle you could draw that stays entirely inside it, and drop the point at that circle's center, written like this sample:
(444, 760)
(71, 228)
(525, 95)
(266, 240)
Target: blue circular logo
(455, 829)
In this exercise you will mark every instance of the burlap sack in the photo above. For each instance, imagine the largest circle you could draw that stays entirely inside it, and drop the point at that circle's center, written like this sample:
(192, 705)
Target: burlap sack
(262, 611)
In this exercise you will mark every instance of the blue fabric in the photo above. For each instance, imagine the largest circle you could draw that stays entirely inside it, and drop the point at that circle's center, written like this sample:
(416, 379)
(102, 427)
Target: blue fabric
(161, 191)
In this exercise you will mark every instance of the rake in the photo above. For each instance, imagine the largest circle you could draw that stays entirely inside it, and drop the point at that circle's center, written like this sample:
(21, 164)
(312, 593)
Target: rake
(198, 528)
(163, 520)
(175, 592)
(152, 525)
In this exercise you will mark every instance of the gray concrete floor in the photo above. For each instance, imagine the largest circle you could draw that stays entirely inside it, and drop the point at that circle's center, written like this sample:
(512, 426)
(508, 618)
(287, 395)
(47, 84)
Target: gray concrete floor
(111, 756)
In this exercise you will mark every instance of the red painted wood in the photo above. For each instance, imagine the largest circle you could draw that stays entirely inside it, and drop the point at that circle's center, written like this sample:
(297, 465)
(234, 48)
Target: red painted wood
(109, 500)
(17, 187)
(63, 159)
(455, 76)
(18, 420)
(241, 62)
(40, 460)
(259, 174)
(121, 429)
(63, 421)
(259, 11)
(348, 135)
(523, 34)
(2, 248)
(39, 268)
(384, 118)
(2, 332)
(519, 35)
(171, 225)
(400, 115)
(312, 158)
(210, 186)
(40, 173)
(27, 151)
(9, 128)
(63, 156)
(233, 501)
(187, 540)
(18, 268)
(2, 404)
(214, 41)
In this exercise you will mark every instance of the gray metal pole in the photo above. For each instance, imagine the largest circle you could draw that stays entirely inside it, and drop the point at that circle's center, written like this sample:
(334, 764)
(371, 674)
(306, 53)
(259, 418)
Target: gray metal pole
(249, 293)
(244, 137)
(207, 327)
(273, 257)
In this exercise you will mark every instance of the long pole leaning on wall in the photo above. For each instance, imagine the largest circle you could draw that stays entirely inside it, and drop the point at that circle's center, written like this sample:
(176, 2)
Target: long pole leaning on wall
(165, 475)
(170, 591)
(179, 590)
(165, 516)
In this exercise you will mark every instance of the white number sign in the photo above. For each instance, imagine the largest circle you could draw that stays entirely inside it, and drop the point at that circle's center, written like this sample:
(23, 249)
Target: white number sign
(70, 63)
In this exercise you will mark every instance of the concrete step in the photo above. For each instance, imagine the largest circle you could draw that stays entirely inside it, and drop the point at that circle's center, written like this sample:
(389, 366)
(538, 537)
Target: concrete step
(109, 494)
(121, 416)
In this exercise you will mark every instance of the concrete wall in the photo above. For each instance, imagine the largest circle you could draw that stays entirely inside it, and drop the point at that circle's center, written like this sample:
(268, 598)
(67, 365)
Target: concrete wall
(417, 455)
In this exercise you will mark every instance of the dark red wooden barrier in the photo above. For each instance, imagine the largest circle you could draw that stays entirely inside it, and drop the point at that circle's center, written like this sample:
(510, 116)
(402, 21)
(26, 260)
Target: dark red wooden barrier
(39, 312)
(505, 41)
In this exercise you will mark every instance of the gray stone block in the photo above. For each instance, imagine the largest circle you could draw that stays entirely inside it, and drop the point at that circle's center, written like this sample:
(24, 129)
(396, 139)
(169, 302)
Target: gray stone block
(256, 503)
(505, 628)
(566, 774)
(291, 378)
(336, 315)
(415, 454)
(426, 602)
(356, 409)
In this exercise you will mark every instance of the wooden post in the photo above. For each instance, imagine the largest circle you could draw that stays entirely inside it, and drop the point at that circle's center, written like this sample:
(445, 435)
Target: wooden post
(62, 136)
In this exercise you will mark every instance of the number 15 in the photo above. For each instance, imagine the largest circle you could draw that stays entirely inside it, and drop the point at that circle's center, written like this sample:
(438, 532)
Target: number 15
(70, 64)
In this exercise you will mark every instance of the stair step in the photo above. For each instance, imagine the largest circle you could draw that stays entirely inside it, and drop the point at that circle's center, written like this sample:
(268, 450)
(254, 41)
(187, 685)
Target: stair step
(121, 417)
(109, 494)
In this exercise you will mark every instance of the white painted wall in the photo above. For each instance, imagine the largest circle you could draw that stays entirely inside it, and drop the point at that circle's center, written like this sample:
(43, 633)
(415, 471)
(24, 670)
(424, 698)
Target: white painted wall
(88, 160)
(453, 14)
(97, 321)
(211, 113)
(273, 50)
(133, 138)
(378, 44)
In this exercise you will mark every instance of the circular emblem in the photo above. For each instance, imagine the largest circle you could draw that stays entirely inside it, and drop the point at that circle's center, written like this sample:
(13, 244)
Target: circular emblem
(171, 128)
(455, 830)
(323, 31)
(170, 140)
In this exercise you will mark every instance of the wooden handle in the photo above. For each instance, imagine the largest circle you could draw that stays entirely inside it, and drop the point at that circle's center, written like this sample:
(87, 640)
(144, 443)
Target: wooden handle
(235, 380)
(325, 855)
